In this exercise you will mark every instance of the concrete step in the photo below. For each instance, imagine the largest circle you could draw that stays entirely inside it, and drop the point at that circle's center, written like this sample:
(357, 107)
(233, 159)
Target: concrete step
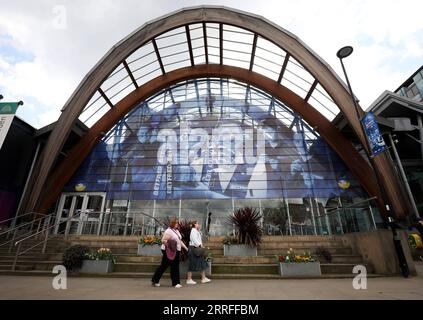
(327, 268)
(333, 250)
(8, 267)
(156, 259)
(167, 275)
(218, 266)
(228, 259)
(339, 268)
(46, 256)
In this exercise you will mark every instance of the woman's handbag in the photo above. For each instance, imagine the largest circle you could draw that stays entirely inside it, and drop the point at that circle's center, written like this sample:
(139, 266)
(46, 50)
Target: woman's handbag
(199, 251)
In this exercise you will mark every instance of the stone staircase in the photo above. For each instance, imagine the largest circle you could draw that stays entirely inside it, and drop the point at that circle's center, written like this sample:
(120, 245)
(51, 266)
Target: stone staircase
(129, 264)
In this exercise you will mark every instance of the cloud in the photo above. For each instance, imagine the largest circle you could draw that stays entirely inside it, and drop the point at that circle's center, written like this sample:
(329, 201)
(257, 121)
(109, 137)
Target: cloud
(51, 61)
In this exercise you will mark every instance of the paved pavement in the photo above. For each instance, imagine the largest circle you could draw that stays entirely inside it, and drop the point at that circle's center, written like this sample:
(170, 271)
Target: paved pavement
(40, 287)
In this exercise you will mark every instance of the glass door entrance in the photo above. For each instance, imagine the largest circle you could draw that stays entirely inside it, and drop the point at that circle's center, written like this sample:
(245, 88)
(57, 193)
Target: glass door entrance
(80, 213)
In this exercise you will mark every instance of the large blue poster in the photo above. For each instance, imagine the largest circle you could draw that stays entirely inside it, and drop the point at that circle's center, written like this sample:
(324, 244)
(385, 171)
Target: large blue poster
(190, 150)
(371, 128)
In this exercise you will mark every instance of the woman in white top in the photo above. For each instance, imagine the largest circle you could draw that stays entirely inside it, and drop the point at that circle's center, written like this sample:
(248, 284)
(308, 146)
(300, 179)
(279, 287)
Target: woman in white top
(196, 263)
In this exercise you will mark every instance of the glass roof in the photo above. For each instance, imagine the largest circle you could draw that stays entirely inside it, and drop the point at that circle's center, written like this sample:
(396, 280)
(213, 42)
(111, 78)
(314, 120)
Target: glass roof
(206, 43)
(229, 100)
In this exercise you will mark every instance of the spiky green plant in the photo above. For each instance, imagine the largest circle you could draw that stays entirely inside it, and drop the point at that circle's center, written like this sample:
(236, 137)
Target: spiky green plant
(247, 224)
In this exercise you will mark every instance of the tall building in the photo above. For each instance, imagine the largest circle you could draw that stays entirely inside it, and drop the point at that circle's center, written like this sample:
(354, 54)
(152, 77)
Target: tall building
(413, 86)
(399, 115)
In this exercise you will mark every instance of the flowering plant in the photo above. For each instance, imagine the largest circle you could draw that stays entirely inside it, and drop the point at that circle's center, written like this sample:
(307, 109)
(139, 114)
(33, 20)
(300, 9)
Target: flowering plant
(291, 256)
(150, 240)
(101, 254)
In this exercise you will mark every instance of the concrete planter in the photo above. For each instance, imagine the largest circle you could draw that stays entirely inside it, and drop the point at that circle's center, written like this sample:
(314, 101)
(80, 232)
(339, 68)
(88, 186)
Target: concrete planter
(300, 269)
(149, 250)
(239, 250)
(183, 270)
(96, 266)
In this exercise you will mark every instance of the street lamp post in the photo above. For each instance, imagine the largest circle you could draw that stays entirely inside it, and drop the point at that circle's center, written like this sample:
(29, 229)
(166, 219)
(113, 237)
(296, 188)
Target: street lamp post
(341, 54)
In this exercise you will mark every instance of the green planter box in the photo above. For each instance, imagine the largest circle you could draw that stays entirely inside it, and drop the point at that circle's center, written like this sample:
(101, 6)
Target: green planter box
(96, 266)
(300, 269)
(239, 250)
(149, 250)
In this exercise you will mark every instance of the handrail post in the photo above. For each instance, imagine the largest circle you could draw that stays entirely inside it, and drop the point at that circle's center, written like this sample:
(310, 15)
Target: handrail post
(45, 241)
(66, 229)
(16, 257)
(38, 228)
(340, 221)
(32, 225)
(12, 241)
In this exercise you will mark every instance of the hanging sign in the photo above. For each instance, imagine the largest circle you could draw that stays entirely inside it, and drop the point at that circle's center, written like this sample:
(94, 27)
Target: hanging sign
(371, 128)
(7, 112)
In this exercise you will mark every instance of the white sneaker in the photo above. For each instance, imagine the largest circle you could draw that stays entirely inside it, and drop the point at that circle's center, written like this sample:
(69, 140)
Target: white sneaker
(178, 286)
(190, 281)
(205, 280)
(156, 284)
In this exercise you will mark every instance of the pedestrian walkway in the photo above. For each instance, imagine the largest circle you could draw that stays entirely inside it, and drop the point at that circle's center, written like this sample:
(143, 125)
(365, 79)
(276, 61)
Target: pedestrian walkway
(40, 287)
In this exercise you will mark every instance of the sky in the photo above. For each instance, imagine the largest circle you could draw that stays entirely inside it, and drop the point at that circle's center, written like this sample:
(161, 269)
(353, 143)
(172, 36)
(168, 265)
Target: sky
(48, 46)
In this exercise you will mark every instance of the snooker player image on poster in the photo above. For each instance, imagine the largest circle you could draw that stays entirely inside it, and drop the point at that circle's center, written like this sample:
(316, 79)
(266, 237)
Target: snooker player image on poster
(212, 148)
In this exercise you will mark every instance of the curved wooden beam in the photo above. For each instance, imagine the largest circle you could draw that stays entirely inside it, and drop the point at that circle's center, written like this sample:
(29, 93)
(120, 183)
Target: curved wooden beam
(356, 164)
(256, 24)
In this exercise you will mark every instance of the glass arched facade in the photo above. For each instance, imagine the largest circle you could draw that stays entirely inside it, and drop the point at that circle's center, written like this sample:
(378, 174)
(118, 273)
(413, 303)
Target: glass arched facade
(215, 145)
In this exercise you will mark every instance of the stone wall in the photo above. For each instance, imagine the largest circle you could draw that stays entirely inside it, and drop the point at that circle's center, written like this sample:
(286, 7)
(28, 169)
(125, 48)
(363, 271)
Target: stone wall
(377, 249)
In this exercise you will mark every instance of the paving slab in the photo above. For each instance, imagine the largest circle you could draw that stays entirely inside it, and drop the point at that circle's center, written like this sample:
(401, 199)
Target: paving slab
(82, 288)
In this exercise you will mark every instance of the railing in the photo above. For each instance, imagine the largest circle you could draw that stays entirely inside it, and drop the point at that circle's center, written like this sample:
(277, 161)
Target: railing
(27, 227)
(44, 242)
(23, 215)
(48, 227)
(357, 217)
(114, 223)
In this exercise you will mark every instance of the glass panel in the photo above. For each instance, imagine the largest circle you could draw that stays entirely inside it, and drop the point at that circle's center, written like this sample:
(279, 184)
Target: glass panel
(212, 145)
(220, 211)
(94, 206)
(301, 217)
(66, 206)
(65, 213)
(78, 207)
(275, 218)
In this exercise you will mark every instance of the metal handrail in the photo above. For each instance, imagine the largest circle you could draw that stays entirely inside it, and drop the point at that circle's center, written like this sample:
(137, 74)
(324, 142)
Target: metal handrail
(58, 222)
(11, 241)
(346, 207)
(17, 217)
(19, 242)
(25, 223)
(127, 213)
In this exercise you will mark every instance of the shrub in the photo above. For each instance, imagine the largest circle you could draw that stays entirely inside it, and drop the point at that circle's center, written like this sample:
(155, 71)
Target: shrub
(73, 256)
(247, 224)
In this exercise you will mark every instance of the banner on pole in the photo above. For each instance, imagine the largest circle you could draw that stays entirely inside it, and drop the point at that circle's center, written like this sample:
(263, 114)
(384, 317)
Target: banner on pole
(7, 112)
(371, 128)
